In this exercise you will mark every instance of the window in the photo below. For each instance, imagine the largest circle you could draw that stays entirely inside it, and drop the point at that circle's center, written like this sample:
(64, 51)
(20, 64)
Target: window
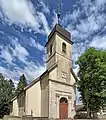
(64, 100)
(63, 47)
(50, 49)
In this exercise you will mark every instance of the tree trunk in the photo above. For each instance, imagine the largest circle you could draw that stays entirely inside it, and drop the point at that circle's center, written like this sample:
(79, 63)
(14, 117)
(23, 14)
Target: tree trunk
(88, 111)
(94, 115)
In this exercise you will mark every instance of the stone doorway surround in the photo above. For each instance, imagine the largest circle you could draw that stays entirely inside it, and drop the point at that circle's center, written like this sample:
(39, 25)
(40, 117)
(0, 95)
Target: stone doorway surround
(67, 95)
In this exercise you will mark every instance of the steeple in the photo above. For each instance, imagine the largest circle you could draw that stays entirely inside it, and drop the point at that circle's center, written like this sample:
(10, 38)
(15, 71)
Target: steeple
(58, 13)
(59, 53)
(59, 48)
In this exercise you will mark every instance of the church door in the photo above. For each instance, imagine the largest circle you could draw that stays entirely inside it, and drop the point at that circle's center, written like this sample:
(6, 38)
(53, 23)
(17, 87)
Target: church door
(63, 110)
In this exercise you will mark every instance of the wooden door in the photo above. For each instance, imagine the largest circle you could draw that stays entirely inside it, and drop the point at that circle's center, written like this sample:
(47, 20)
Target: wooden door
(63, 110)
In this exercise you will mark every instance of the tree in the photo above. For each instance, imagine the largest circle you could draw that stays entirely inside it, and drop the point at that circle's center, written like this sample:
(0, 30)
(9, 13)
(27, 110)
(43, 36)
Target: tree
(92, 74)
(5, 95)
(21, 85)
(11, 89)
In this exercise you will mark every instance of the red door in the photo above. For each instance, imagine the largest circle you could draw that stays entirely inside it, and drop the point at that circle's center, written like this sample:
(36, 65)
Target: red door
(63, 110)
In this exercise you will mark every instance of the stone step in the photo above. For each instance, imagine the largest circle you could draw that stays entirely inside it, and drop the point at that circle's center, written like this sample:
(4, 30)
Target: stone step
(64, 119)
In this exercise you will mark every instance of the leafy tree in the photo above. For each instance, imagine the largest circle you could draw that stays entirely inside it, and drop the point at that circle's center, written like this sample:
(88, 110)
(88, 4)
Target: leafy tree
(21, 85)
(92, 74)
(11, 89)
(5, 95)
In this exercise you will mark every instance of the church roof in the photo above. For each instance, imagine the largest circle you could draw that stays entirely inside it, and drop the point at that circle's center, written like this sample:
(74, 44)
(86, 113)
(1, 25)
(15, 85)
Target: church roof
(41, 77)
(63, 32)
(36, 80)
(32, 83)
(74, 74)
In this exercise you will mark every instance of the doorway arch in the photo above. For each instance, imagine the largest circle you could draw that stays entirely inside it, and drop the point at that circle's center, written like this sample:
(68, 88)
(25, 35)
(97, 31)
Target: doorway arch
(63, 108)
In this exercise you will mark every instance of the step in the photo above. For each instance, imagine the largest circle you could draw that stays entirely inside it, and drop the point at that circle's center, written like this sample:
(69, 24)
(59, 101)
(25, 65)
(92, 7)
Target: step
(64, 119)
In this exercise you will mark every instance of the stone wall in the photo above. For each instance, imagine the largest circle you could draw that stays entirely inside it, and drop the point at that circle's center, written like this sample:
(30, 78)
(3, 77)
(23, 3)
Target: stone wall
(102, 116)
(90, 119)
(8, 117)
(56, 92)
(35, 118)
(41, 118)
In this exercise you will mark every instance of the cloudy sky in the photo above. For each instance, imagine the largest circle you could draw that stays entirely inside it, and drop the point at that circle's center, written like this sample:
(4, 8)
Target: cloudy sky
(25, 25)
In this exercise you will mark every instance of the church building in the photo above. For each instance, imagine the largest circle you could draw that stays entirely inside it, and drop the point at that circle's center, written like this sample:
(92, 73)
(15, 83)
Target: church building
(53, 94)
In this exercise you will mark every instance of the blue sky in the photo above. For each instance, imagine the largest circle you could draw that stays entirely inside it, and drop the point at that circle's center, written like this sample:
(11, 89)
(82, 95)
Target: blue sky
(25, 25)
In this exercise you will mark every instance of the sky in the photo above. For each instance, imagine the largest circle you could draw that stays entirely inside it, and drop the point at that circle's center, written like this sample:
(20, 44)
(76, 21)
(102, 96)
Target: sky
(25, 25)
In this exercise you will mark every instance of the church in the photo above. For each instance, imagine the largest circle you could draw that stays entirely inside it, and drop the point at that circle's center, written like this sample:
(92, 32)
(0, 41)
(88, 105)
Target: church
(53, 94)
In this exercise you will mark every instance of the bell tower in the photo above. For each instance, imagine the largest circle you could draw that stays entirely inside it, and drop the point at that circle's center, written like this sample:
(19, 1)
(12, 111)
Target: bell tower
(61, 78)
(59, 52)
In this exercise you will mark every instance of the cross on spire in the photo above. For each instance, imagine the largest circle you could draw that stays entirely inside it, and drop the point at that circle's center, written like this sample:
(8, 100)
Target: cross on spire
(58, 14)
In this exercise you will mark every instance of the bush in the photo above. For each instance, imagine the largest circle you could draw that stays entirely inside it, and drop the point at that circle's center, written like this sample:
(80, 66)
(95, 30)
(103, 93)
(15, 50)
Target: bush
(80, 116)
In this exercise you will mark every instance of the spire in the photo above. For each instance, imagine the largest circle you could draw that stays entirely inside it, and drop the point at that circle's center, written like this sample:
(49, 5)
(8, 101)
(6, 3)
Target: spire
(58, 14)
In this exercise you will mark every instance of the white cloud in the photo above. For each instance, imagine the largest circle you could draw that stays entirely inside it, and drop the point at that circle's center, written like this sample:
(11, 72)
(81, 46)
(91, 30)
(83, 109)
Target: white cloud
(19, 51)
(44, 58)
(86, 21)
(33, 72)
(23, 13)
(19, 11)
(78, 101)
(74, 58)
(99, 42)
(5, 54)
(37, 45)
(71, 17)
(9, 53)
(88, 26)
(7, 73)
(54, 18)
(30, 72)
(30, 68)
(76, 70)
(44, 22)
(94, 17)
(45, 8)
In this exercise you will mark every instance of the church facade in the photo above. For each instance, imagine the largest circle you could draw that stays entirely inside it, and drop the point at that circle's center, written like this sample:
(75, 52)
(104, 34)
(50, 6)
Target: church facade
(53, 94)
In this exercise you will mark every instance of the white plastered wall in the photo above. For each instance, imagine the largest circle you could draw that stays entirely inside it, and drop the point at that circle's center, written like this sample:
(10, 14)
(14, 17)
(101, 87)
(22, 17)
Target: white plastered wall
(44, 97)
(33, 100)
(15, 108)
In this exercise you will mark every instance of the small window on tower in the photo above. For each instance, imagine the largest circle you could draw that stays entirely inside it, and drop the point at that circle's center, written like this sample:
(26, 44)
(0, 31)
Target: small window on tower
(63, 47)
(50, 49)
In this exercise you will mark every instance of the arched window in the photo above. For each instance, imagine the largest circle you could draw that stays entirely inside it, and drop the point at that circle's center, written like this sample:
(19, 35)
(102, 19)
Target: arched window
(63, 100)
(63, 47)
(50, 49)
